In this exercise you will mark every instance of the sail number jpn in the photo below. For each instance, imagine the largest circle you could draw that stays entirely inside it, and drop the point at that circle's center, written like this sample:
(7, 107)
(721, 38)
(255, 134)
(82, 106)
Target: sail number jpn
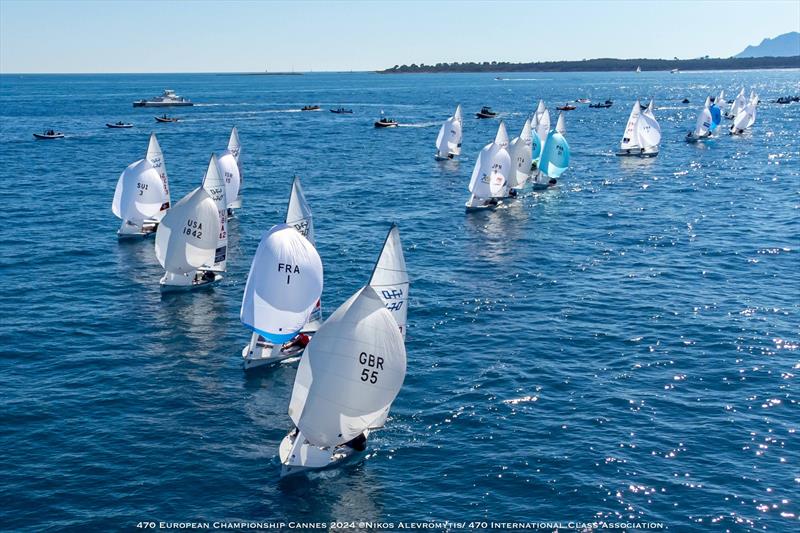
(372, 363)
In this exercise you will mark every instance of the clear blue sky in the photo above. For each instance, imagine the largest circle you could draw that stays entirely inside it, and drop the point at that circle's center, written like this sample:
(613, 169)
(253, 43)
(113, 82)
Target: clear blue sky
(209, 36)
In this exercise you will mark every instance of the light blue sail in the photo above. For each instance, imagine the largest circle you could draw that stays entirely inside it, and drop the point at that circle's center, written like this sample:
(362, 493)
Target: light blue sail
(555, 157)
(536, 147)
(716, 116)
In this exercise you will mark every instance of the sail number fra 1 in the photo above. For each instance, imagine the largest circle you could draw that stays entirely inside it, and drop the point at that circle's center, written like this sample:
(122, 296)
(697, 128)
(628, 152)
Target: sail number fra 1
(373, 364)
(289, 269)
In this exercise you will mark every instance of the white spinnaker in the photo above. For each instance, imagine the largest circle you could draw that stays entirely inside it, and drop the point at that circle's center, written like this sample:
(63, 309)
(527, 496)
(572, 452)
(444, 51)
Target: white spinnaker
(298, 212)
(520, 152)
(156, 158)
(390, 278)
(215, 186)
(139, 193)
(745, 118)
(647, 129)
(490, 175)
(283, 285)
(738, 103)
(702, 127)
(630, 139)
(752, 105)
(449, 139)
(351, 372)
(186, 239)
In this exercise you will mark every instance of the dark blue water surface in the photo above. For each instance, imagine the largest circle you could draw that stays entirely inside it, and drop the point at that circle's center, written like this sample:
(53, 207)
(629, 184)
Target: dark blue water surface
(624, 347)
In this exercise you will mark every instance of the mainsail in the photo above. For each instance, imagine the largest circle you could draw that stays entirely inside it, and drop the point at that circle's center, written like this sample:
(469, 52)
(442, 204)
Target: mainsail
(215, 187)
(156, 158)
(630, 139)
(390, 278)
(230, 170)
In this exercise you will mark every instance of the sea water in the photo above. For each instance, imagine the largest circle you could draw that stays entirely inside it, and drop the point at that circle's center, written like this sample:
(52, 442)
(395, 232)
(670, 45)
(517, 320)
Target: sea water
(622, 348)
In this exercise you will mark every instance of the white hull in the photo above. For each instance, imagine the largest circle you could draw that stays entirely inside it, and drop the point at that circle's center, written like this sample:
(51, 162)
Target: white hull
(167, 286)
(301, 457)
(264, 355)
(638, 152)
(132, 231)
(474, 205)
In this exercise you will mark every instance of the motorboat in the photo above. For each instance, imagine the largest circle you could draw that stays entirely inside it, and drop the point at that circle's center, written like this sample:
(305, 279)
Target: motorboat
(685, 101)
(119, 125)
(342, 111)
(602, 105)
(169, 98)
(49, 134)
(310, 108)
(386, 123)
(486, 112)
(566, 107)
(165, 118)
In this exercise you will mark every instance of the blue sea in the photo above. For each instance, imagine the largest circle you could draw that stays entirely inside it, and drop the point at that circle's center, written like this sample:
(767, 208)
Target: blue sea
(624, 348)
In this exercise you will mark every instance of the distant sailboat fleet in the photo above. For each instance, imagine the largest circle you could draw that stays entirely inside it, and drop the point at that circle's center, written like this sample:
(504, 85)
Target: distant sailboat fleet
(356, 356)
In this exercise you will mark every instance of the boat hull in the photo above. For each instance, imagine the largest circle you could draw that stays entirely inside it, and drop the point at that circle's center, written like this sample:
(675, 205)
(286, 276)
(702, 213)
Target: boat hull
(485, 115)
(162, 119)
(118, 126)
(637, 153)
(48, 137)
(308, 458)
(262, 356)
(384, 125)
(163, 104)
(196, 284)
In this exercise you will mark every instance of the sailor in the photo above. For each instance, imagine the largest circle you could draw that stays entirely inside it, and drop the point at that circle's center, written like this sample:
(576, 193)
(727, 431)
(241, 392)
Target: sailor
(552, 182)
(301, 340)
(359, 443)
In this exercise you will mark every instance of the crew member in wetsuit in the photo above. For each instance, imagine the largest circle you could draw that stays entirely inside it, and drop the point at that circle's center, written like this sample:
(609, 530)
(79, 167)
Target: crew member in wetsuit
(301, 340)
(359, 443)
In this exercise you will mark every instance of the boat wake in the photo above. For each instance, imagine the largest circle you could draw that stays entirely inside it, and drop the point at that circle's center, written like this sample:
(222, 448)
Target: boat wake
(419, 125)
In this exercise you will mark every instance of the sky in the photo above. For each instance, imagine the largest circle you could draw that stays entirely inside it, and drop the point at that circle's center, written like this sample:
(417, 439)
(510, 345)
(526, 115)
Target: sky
(252, 36)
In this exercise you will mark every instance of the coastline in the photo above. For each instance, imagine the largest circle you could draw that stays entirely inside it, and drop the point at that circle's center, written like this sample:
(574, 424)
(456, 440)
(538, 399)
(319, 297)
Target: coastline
(604, 65)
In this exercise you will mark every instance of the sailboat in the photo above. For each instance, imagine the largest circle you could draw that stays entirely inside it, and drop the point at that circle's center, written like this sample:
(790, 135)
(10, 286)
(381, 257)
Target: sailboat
(746, 116)
(141, 196)
(520, 150)
(642, 133)
(448, 142)
(702, 128)
(555, 157)
(540, 125)
(489, 180)
(265, 349)
(192, 238)
(358, 357)
(738, 104)
(231, 168)
(638, 70)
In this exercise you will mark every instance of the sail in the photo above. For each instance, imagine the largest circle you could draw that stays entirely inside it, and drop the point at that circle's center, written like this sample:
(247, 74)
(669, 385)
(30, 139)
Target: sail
(139, 194)
(555, 158)
(741, 120)
(283, 286)
(543, 127)
(520, 152)
(156, 158)
(490, 175)
(561, 126)
(351, 372)
(215, 187)
(629, 138)
(702, 127)
(738, 103)
(186, 239)
(390, 278)
(501, 139)
(647, 129)
(449, 138)
(298, 213)
(458, 116)
(235, 149)
(229, 169)
(716, 115)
